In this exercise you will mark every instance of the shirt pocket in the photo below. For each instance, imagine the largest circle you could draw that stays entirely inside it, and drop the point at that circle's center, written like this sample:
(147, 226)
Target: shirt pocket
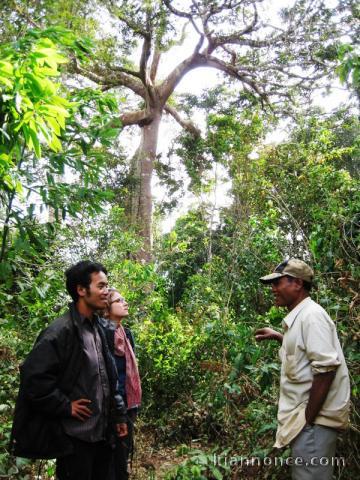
(297, 368)
(290, 367)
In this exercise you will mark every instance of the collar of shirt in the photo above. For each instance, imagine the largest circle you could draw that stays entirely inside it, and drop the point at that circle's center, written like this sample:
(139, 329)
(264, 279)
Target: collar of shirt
(90, 320)
(290, 317)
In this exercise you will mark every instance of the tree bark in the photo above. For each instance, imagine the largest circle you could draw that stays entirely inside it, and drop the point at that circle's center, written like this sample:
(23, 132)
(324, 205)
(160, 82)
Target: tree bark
(139, 208)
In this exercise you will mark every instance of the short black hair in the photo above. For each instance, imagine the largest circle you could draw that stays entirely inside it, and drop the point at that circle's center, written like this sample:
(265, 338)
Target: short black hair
(307, 285)
(80, 274)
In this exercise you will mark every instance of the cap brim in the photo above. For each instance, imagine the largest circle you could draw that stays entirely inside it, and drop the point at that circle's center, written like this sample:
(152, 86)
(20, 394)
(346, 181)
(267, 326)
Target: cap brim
(270, 278)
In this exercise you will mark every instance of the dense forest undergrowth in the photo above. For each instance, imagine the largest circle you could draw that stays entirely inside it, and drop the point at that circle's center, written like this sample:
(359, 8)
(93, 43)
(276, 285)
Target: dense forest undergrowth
(68, 188)
(209, 388)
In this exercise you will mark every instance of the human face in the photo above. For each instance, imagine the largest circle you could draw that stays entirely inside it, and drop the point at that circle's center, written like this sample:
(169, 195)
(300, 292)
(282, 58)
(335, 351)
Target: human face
(118, 307)
(95, 296)
(287, 291)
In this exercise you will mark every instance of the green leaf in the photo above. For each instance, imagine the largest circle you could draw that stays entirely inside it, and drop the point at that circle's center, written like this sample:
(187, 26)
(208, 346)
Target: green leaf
(55, 144)
(35, 83)
(44, 130)
(5, 160)
(8, 181)
(31, 209)
(5, 81)
(109, 133)
(54, 125)
(19, 188)
(6, 68)
(26, 132)
(217, 474)
(35, 142)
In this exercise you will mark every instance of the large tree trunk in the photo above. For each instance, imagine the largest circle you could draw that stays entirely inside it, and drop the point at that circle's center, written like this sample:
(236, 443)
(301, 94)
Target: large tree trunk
(139, 209)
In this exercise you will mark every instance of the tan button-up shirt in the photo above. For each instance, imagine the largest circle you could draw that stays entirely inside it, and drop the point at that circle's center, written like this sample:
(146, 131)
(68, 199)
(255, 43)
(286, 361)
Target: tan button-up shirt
(310, 346)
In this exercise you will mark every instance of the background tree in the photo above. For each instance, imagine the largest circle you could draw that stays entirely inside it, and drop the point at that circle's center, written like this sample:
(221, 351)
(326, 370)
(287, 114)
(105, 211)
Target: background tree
(48, 137)
(261, 59)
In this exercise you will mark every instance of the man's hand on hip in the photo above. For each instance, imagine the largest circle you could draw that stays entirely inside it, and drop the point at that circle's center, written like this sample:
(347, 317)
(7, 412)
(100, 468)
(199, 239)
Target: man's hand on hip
(121, 430)
(80, 410)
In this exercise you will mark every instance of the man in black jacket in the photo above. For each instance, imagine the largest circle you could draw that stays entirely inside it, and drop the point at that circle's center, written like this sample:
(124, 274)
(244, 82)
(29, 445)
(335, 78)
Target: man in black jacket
(69, 403)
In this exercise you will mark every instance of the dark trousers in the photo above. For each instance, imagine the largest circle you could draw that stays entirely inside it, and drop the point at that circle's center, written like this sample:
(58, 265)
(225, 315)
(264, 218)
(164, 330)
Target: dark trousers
(90, 461)
(123, 449)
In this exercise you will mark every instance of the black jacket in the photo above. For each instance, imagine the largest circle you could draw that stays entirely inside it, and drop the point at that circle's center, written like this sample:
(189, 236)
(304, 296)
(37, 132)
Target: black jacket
(47, 377)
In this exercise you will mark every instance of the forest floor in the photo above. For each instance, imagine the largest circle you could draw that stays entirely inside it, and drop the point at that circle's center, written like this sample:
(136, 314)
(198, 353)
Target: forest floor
(152, 460)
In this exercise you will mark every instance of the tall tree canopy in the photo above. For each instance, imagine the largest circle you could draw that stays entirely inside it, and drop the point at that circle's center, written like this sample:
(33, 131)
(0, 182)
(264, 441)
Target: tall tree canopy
(266, 60)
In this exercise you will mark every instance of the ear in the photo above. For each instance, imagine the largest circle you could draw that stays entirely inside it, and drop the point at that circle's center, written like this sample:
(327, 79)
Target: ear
(81, 290)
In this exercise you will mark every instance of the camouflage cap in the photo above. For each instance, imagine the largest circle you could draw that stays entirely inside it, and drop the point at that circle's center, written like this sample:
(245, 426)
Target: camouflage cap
(293, 268)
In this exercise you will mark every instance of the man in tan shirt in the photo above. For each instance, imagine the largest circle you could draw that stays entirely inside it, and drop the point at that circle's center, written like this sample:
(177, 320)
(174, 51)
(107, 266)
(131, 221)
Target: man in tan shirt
(314, 385)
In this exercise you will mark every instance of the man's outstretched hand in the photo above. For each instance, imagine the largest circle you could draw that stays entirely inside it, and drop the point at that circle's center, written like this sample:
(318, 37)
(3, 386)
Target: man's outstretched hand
(267, 333)
(80, 410)
(121, 430)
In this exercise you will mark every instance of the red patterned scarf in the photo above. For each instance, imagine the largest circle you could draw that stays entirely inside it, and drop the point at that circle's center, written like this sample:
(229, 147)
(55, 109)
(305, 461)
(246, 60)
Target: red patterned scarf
(132, 382)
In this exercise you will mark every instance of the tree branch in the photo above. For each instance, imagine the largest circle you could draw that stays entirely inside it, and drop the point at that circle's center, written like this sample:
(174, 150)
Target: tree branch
(248, 42)
(288, 74)
(85, 73)
(186, 124)
(181, 14)
(213, 10)
(140, 117)
(132, 25)
(251, 27)
(117, 68)
(174, 77)
(244, 76)
(177, 12)
(155, 64)
(230, 52)
(146, 50)
(145, 54)
(25, 14)
(107, 78)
